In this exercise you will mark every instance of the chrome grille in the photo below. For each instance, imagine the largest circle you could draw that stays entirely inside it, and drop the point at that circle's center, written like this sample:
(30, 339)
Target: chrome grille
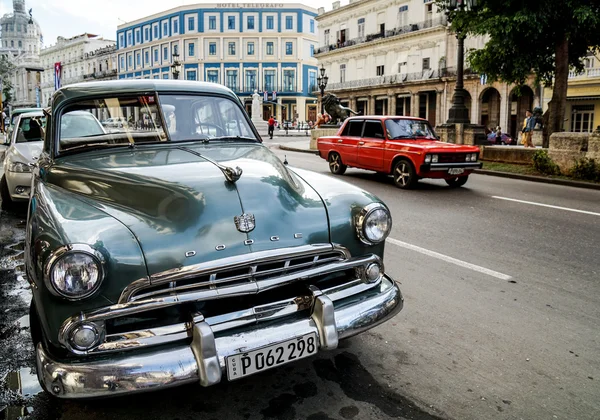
(237, 275)
(452, 157)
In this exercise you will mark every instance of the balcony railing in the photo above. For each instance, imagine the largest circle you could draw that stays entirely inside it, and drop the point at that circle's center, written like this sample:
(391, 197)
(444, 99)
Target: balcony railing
(430, 23)
(398, 78)
(593, 72)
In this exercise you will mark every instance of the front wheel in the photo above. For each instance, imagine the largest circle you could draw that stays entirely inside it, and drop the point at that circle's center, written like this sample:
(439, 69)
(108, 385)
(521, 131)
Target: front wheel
(404, 174)
(335, 164)
(7, 203)
(458, 181)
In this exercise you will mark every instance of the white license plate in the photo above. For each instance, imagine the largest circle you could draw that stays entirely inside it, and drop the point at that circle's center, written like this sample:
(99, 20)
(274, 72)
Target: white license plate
(455, 171)
(244, 364)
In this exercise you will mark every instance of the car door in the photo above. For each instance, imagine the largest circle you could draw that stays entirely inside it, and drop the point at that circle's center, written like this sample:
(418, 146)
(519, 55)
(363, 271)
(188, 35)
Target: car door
(347, 144)
(372, 145)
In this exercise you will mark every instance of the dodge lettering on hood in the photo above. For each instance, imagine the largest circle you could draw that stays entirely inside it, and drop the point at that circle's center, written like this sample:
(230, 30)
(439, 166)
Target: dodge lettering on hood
(177, 248)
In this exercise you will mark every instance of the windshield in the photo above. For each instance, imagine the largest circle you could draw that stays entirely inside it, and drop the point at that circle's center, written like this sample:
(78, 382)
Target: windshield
(31, 129)
(407, 129)
(131, 120)
(203, 117)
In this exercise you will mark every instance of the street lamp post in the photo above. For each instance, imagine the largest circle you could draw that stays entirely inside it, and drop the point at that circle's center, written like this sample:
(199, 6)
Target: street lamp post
(322, 82)
(458, 113)
(176, 66)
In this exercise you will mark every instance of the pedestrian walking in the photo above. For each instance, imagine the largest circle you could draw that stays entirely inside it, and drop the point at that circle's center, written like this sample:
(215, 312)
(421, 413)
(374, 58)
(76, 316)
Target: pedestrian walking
(271, 126)
(528, 126)
(498, 135)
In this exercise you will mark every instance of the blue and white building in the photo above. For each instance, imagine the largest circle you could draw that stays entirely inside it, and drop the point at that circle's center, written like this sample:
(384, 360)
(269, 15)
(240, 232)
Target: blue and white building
(268, 47)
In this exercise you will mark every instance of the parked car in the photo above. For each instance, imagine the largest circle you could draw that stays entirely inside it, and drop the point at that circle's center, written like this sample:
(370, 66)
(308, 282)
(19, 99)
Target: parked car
(14, 115)
(506, 139)
(405, 147)
(189, 252)
(24, 148)
(116, 122)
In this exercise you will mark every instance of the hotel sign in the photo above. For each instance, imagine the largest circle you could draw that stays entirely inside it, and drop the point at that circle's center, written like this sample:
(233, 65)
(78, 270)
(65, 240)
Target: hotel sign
(250, 5)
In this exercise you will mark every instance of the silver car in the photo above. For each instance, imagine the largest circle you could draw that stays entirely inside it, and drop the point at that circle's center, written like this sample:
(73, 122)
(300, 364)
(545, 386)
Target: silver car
(25, 146)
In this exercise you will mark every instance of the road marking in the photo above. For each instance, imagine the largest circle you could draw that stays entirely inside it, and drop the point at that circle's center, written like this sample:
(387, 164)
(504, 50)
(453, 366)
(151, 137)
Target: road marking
(546, 205)
(450, 260)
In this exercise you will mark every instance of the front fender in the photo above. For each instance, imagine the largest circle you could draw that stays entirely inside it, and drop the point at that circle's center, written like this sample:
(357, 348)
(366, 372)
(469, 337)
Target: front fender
(57, 218)
(343, 202)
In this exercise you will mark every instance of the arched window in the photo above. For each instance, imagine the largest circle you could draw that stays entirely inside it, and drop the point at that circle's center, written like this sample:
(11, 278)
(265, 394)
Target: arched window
(100, 67)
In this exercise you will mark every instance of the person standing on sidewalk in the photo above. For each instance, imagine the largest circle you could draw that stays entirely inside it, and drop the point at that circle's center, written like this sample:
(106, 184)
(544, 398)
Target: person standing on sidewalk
(528, 129)
(271, 126)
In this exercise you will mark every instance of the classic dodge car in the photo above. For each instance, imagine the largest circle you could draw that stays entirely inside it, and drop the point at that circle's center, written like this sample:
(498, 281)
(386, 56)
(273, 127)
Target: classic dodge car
(405, 147)
(186, 251)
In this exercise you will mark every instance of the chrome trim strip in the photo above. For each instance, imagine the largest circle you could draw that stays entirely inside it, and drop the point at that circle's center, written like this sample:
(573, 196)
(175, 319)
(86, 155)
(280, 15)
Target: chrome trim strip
(131, 373)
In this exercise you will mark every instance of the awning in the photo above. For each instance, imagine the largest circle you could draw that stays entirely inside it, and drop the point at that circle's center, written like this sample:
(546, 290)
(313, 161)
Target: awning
(583, 98)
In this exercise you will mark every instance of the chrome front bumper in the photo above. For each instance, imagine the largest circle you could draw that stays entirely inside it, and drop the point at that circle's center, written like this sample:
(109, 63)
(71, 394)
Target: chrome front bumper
(204, 360)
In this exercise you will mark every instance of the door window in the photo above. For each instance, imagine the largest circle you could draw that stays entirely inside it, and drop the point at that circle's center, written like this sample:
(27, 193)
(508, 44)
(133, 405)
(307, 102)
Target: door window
(373, 129)
(355, 128)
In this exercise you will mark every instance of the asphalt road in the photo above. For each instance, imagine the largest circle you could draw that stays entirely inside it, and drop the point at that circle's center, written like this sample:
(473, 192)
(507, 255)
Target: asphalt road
(500, 321)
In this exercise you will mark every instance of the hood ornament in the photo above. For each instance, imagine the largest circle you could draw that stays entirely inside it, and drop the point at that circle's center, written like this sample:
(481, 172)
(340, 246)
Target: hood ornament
(231, 175)
(245, 223)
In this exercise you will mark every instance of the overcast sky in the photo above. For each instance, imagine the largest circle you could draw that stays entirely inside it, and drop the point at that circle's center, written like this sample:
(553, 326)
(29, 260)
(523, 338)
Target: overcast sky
(73, 17)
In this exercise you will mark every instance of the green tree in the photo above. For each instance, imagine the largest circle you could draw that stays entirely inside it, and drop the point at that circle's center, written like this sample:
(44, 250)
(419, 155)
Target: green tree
(6, 70)
(546, 38)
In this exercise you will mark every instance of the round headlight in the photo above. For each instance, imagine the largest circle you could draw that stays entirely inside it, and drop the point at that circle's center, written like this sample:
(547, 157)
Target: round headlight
(75, 275)
(374, 224)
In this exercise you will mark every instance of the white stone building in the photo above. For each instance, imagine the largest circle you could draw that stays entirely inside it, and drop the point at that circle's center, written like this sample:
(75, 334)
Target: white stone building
(20, 42)
(398, 57)
(245, 46)
(82, 57)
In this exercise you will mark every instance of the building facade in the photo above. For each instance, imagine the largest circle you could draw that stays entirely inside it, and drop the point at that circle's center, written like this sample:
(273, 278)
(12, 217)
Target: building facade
(20, 43)
(582, 113)
(80, 58)
(267, 47)
(398, 57)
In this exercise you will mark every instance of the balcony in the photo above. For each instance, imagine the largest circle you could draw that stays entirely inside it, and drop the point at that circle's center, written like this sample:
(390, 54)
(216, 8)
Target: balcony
(398, 79)
(402, 30)
(586, 74)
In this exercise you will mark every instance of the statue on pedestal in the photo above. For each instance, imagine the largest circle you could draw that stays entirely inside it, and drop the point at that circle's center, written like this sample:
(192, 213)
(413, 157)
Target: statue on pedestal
(256, 114)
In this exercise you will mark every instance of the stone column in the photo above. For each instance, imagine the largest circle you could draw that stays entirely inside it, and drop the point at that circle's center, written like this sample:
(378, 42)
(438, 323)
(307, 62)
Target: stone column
(414, 105)
(371, 107)
(392, 104)
(352, 103)
(439, 113)
(301, 109)
(504, 107)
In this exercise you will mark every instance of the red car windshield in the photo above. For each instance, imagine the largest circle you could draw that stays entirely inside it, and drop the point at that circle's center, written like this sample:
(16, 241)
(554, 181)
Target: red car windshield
(409, 129)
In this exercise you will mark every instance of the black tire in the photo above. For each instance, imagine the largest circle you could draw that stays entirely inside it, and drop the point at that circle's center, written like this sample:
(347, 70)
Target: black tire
(335, 164)
(405, 176)
(7, 203)
(458, 181)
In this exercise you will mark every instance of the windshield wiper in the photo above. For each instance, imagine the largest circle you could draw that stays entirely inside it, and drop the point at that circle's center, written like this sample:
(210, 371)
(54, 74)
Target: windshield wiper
(404, 137)
(232, 138)
(94, 146)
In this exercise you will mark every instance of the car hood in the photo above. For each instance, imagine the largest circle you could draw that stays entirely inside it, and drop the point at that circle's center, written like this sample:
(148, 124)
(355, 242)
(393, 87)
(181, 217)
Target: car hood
(181, 208)
(434, 144)
(25, 152)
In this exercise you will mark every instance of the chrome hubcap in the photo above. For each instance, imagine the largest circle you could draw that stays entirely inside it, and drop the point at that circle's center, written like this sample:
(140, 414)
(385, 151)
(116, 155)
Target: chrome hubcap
(402, 175)
(334, 163)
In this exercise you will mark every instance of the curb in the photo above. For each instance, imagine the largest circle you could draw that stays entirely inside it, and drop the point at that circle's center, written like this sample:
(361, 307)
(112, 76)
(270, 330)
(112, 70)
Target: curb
(533, 178)
(295, 149)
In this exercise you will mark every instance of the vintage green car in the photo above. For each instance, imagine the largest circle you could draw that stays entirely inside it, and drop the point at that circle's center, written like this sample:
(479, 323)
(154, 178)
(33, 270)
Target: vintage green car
(180, 249)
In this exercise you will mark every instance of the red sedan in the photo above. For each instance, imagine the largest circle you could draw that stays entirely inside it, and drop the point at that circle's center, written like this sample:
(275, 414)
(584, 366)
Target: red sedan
(404, 147)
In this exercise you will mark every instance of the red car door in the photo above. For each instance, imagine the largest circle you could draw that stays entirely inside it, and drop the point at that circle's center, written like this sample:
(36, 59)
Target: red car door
(372, 145)
(347, 144)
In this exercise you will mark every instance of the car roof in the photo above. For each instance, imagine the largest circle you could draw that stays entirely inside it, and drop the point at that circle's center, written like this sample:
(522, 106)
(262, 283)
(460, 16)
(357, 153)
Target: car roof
(384, 117)
(137, 86)
(32, 114)
(25, 110)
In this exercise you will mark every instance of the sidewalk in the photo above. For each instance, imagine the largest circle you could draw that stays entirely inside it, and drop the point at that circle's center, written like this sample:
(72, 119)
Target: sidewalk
(304, 147)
